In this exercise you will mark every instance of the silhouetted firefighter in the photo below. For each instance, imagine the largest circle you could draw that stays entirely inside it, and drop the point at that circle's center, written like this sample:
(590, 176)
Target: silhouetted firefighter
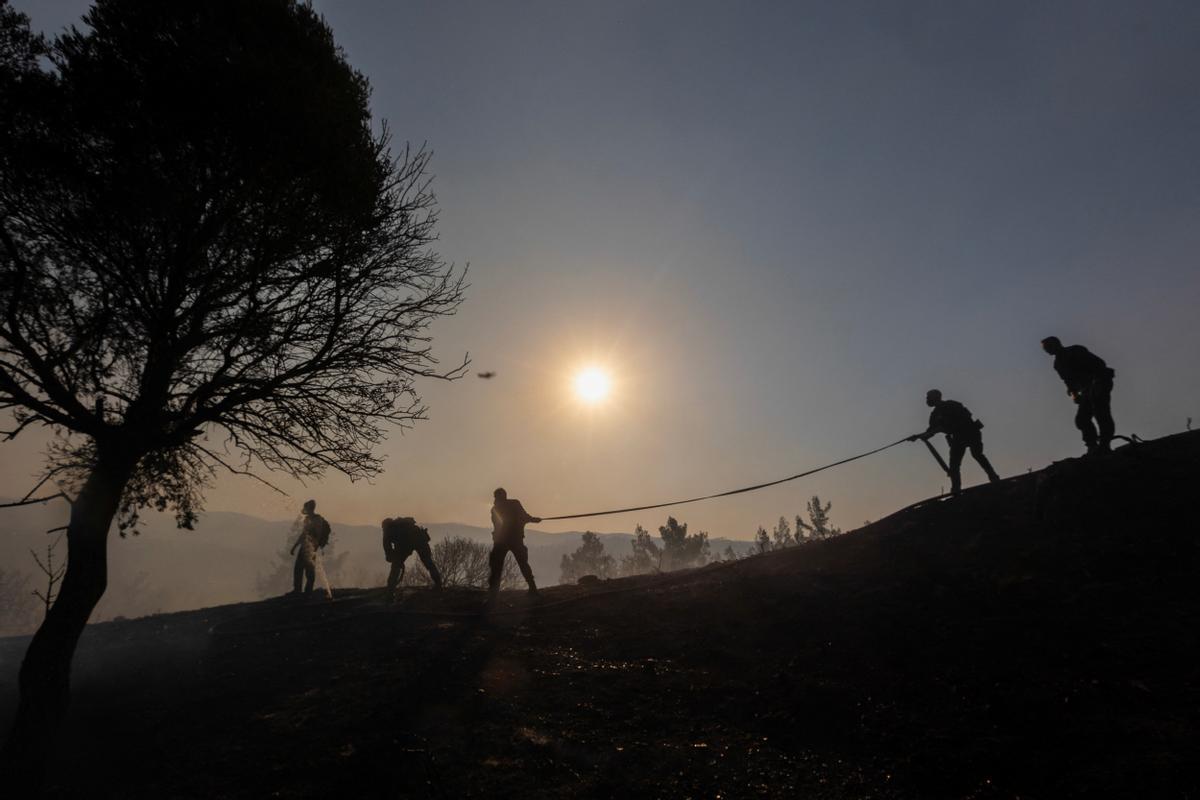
(508, 533)
(962, 434)
(1090, 383)
(401, 536)
(314, 535)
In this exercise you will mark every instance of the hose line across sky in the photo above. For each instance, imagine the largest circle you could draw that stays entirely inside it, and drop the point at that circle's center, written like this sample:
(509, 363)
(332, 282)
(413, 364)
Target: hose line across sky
(743, 490)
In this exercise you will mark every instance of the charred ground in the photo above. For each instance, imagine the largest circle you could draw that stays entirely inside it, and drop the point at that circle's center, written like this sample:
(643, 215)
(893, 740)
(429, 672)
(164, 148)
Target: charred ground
(1035, 638)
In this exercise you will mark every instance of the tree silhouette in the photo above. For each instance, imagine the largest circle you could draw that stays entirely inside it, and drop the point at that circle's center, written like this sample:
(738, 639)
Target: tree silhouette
(762, 541)
(646, 556)
(782, 535)
(588, 559)
(681, 549)
(208, 260)
(819, 525)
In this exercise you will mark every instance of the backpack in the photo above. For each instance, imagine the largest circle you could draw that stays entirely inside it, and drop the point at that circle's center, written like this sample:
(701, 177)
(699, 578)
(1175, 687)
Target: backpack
(956, 419)
(318, 530)
(406, 532)
(414, 531)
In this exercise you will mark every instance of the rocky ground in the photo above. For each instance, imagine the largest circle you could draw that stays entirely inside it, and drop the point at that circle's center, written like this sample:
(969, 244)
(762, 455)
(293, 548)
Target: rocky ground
(1039, 638)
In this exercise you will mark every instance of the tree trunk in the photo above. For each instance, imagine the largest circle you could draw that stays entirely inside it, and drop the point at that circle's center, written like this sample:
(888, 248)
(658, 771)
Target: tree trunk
(46, 671)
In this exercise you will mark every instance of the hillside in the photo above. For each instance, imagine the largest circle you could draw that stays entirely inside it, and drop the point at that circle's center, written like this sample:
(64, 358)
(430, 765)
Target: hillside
(164, 569)
(1036, 638)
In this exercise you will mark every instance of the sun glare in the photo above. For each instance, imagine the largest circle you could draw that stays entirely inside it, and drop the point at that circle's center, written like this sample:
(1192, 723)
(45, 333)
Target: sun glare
(592, 385)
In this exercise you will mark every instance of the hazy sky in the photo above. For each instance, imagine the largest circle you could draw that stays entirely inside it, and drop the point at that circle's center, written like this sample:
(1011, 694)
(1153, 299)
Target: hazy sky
(778, 224)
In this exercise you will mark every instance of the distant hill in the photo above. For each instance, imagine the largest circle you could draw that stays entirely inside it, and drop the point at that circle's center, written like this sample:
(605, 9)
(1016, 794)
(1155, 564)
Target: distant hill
(1034, 638)
(164, 569)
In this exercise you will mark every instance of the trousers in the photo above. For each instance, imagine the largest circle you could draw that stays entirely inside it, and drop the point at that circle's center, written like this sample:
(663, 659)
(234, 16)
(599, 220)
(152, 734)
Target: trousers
(305, 569)
(959, 445)
(1095, 403)
(496, 563)
(423, 552)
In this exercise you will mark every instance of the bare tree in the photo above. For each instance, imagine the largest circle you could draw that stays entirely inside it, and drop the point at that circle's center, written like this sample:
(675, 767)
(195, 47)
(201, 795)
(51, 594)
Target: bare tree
(53, 572)
(462, 562)
(208, 261)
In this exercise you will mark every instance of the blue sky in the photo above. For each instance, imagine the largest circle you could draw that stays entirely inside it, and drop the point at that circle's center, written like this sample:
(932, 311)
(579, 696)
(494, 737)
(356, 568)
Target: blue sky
(778, 224)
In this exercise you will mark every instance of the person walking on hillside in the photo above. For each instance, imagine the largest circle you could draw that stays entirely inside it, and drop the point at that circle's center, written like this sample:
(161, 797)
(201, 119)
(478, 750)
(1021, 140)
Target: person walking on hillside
(401, 536)
(962, 434)
(1090, 383)
(508, 534)
(314, 534)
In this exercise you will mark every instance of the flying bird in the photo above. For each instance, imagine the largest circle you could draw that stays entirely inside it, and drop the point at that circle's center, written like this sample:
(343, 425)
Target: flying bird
(486, 375)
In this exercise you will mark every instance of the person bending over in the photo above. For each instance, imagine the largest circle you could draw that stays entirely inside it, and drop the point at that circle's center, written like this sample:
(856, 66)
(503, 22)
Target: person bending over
(401, 536)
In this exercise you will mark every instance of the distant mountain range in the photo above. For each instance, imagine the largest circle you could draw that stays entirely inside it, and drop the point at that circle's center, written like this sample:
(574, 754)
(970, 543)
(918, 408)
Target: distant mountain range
(166, 569)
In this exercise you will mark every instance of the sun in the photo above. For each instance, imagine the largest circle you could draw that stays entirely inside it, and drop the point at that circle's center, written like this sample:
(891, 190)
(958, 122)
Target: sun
(592, 385)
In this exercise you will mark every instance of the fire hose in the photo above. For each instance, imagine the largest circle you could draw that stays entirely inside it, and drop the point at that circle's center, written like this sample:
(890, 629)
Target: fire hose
(731, 492)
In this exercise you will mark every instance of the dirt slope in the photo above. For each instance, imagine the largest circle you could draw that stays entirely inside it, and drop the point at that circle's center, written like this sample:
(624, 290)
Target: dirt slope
(1039, 638)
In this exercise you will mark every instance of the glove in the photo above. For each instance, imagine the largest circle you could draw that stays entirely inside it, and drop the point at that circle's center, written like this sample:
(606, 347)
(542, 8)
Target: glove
(914, 437)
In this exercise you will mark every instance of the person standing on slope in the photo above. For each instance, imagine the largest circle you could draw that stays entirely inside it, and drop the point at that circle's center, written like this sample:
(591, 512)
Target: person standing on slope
(508, 534)
(314, 535)
(962, 434)
(1090, 383)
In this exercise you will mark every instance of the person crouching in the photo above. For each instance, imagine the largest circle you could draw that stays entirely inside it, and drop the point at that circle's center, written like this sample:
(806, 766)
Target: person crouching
(401, 536)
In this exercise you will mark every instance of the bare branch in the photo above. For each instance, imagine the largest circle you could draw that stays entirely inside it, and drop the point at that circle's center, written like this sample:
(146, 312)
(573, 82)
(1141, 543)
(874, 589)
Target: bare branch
(33, 501)
(54, 573)
(236, 471)
(38, 485)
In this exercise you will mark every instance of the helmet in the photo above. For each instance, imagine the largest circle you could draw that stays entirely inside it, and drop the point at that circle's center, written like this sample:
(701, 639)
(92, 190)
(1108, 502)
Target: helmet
(933, 395)
(310, 506)
(1051, 344)
(500, 494)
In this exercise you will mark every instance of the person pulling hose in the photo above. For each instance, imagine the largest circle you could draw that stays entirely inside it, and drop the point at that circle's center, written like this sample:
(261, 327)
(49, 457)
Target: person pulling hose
(963, 433)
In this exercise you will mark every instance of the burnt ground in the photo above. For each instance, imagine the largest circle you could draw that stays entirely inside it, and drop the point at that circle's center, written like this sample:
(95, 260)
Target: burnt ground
(1039, 638)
